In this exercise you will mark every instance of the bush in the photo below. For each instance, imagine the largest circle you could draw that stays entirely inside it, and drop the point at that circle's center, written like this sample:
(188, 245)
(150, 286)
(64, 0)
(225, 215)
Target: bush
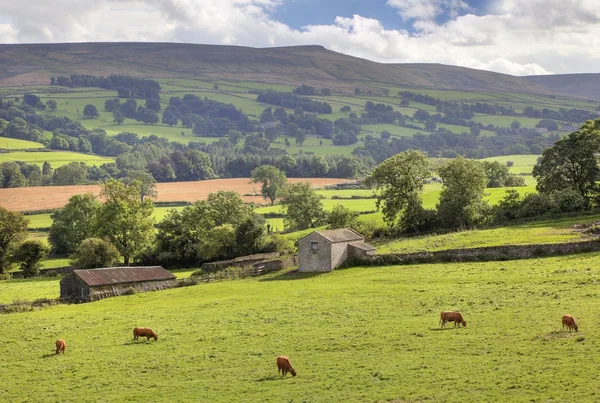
(30, 255)
(93, 253)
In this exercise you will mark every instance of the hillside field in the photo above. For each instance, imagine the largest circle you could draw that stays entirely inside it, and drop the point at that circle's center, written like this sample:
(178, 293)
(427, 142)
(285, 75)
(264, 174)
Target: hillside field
(16, 144)
(55, 158)
(361, 334)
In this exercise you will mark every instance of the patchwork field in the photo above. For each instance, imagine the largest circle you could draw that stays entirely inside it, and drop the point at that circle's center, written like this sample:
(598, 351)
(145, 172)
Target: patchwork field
(16, 144)
(36, 198)
(361, 334)
(55, 158)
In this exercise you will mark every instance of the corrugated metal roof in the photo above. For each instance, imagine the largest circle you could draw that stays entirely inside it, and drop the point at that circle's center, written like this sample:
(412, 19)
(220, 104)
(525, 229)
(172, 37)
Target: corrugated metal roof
(120, 275)
(362, 245)
(340, 235)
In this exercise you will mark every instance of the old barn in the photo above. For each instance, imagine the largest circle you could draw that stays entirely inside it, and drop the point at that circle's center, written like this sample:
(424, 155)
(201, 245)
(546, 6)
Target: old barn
(94, 284)
(328, 249)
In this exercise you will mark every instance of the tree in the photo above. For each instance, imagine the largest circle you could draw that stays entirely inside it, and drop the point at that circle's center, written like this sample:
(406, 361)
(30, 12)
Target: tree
(300, 136)
(73, 223)
(29, 256)
(93, 253)
(71, 174)
(421, 115)
(461, 201)
(169, 117)
(496, 173)
(342, 217)
(147, 116)
(11, 175)
(111, 105)
(345, 109)
(266, 115)
(90, 111)
(515, 125)
(51, 104)
(124, 220)
(302, 207)
(147, 183)
(571, 163)
(234, 136)
(271, 179)
(475, 130)
(13, 230)
(430, 125)
(153, 104)
(118, 117)
(399, 183)
(32, 100)
(385, 135)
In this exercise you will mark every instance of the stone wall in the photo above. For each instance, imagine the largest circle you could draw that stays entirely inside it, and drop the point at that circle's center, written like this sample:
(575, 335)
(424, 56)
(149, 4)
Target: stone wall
(238, 262)
(485, 254)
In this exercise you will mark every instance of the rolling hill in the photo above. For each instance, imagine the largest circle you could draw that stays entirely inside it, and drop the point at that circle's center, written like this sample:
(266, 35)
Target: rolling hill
(313, 65)
(581, 85)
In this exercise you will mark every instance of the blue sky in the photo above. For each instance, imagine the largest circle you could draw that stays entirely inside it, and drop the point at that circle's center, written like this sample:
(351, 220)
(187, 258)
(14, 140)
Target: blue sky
(300, 13)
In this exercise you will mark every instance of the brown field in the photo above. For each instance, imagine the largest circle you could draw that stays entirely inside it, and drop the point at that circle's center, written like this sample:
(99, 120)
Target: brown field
(50, 197)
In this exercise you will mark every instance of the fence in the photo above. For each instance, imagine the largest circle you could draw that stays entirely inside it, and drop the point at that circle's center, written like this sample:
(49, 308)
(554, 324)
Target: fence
(253, 270)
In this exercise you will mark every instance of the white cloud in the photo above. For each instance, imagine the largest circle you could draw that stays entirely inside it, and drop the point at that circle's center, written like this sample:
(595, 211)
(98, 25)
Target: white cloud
(516, 37)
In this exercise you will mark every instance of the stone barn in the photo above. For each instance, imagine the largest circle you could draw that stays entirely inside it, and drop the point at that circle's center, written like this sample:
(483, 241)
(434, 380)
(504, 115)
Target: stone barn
(323, 251)
(94, 284)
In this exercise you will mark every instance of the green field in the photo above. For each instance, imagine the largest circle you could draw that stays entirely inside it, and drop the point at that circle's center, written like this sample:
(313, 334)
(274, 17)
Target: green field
(361, 334)
(16, 144)
(55, 158)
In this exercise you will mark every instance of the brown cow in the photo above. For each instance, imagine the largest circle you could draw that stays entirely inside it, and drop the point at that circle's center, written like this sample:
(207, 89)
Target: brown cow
(455, 317)
(569, 322)
(144, 332)
(61, 345)
(284, 365)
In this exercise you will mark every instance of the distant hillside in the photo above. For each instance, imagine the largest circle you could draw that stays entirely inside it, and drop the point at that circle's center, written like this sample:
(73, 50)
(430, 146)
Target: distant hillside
(580, 85)
(313, 65)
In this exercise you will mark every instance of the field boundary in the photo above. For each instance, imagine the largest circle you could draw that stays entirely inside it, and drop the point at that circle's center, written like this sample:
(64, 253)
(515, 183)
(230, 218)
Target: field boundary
(482, 254)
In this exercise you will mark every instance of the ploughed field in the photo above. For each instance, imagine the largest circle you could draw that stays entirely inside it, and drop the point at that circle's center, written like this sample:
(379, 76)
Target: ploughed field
(49, 197)
(360, 334)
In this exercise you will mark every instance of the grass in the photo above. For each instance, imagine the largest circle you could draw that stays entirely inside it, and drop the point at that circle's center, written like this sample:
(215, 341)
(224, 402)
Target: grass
(361, 334)
(16, 144)
(539, 232)
(55, 158)
(522, 163)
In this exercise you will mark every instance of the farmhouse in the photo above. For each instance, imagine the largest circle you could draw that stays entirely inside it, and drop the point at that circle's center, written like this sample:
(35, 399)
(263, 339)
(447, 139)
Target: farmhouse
(94, 284)
(323, 251)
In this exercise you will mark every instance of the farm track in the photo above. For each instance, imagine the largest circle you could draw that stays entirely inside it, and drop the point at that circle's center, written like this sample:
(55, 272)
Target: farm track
(50, 197)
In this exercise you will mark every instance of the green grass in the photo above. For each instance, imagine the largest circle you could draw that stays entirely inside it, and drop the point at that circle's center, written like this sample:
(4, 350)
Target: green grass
(354, 335)
(55, 262)
(540, 232)
(55, 158)
(16, 144)
(522, 163)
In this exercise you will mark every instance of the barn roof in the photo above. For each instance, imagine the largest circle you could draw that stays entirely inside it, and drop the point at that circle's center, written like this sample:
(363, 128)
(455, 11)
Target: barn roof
(340, 235)
(120, 275)
(362, 246)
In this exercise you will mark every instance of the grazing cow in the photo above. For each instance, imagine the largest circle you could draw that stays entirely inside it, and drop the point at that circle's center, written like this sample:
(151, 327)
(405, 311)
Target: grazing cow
(61, 345)
(284, 365)
(144, 332)
(455, 317)
(569, 322)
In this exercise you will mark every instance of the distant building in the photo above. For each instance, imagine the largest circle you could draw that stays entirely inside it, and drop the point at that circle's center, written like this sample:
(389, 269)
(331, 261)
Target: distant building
(323, 251)
(94, 284)
(541, 130)
(569, 128)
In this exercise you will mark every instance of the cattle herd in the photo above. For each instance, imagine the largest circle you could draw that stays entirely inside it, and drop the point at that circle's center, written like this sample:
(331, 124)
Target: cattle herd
(283, 363)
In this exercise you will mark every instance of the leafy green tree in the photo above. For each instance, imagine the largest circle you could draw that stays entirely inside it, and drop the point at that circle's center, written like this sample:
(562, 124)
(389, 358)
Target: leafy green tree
(111, 105)
(318, 166)
(169, 117)
(29, 256)
(146, 115)
(342, 217)
(430, 125)
(90, 111)
(271, 179)
(124, 220)
(93, 253)
(496, 173)
(73, 223)
(515, 125)
(12, 177)
(461, 201)
(234, 136)
(13, 230)
(267, 115)
(51, 104)
(399, 183)
(147, 183)
(153, 104)
(300, 136)
(572, 163)
(303, 207)
(118, 117)
(70, 174)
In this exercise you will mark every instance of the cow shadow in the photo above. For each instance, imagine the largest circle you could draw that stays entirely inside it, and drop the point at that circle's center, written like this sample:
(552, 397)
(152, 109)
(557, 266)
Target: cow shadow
(439, 329)
(293, 275)
(270, 378)
(49, 355)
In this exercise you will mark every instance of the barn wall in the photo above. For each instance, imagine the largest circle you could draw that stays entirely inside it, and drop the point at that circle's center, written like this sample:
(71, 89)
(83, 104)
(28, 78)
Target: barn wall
(314, 261)
(71, 287)
(101, 292)
(339, 254)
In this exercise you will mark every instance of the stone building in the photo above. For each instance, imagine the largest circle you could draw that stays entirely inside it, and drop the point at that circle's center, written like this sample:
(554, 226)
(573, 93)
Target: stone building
(94, 284)
(323, 251)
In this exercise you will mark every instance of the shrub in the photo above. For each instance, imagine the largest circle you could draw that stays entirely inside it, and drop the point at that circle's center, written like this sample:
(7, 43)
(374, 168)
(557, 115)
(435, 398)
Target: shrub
(30, 255)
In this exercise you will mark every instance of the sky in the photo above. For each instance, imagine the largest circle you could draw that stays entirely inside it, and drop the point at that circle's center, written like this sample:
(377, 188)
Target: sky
(519, 37)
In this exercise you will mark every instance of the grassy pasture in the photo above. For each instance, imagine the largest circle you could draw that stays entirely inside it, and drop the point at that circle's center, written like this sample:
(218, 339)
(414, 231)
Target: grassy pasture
(55, 158)
(540, 232)
(361, 334)
(17, 144)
